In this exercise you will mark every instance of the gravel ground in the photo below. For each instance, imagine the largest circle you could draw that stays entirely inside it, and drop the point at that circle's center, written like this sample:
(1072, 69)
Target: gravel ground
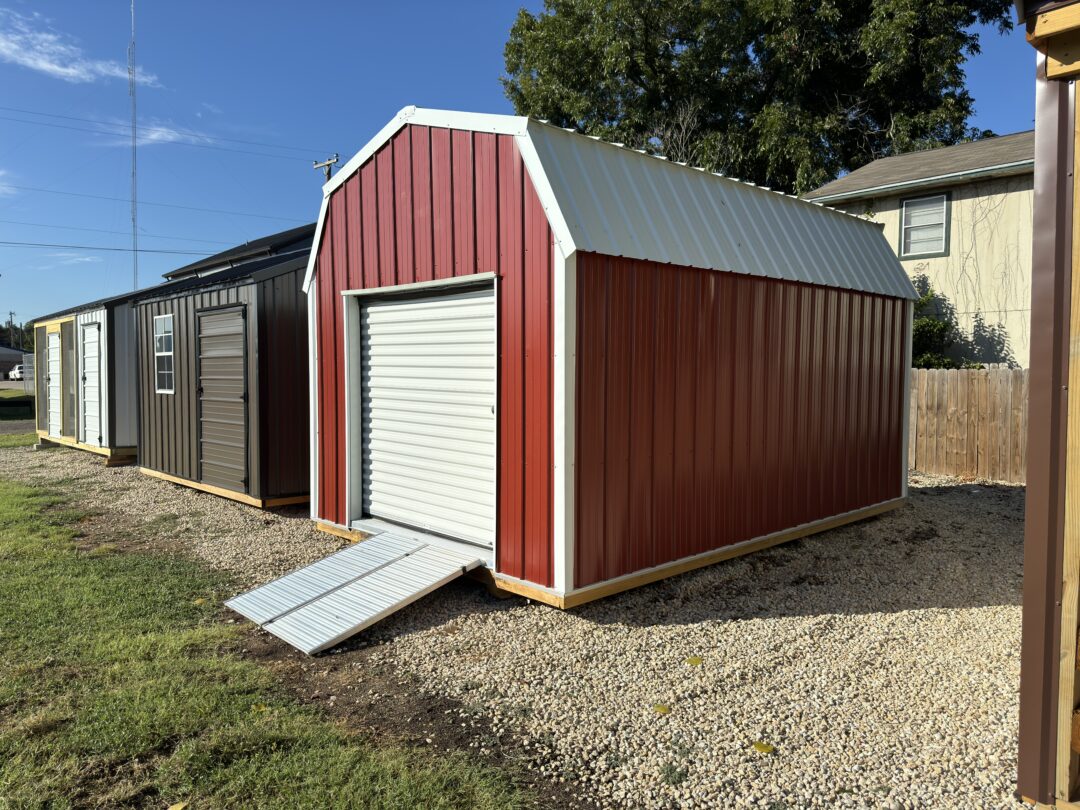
(879, 661)
(254, 545)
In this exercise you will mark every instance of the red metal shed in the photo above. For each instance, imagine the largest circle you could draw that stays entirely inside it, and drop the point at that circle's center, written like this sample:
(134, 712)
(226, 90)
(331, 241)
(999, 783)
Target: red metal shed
(598, 367)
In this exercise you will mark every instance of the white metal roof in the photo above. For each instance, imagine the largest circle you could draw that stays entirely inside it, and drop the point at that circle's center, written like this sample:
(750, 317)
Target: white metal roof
(606, 198)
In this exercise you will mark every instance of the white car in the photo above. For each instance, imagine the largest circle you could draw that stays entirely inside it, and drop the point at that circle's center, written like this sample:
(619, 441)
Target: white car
(16, 373)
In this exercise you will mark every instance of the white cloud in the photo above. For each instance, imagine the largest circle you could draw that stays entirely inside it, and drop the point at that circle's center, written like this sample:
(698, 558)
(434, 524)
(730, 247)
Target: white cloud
(5, 189)
(155, 130)
(31, 42)
(73, 258)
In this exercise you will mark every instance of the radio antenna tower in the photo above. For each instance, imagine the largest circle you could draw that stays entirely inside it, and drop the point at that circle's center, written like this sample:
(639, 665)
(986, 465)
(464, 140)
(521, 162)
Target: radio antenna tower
(134, 159)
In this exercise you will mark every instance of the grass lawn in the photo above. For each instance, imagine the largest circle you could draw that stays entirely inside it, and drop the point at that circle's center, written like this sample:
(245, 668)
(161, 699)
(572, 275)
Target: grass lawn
(17, 440)
(14, 393)
(118, 688)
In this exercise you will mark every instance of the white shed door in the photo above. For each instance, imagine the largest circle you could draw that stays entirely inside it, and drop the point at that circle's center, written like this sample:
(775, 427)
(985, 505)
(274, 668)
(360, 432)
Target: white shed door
(428, 389)
(53, 382)
(90, 394)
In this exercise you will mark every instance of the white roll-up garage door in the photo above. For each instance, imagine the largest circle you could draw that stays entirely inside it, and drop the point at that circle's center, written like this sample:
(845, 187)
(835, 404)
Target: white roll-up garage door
(428, 389)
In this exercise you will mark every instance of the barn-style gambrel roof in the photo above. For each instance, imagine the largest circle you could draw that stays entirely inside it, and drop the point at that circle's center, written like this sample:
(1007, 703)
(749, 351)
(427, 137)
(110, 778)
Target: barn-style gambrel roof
(606, 198)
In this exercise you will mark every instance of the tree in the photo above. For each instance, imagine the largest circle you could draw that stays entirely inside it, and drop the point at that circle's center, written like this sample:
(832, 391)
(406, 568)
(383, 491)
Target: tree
(786, 93)
(931, 335)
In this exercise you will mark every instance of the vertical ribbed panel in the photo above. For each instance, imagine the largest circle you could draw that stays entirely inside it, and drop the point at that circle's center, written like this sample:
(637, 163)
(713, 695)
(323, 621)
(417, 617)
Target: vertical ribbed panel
(55, 391)
(713, 408)
(436, 203)
(90, 390)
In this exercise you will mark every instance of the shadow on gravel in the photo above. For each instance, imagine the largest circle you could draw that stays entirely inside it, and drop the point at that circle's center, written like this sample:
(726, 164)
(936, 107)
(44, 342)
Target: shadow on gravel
(956, 546)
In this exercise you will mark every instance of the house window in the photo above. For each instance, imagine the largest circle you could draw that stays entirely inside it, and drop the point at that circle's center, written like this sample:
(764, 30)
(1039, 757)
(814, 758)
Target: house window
(924, 226)
(163, 353)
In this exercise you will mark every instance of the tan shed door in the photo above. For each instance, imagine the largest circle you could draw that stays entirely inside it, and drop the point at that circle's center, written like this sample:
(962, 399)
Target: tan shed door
(428, 390)
(222, 399)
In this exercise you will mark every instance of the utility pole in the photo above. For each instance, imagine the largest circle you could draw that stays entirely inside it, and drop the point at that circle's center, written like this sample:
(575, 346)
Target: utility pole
(134, 154)
(327, 165)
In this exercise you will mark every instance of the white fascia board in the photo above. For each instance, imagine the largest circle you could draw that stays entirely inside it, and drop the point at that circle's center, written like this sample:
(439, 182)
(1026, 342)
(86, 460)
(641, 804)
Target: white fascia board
(1001, 170)
(446, 119)
(309, 274)
(546, 194)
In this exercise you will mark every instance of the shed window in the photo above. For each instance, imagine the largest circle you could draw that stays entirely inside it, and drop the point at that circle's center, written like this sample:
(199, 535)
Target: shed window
(924, 226)
(163, 353)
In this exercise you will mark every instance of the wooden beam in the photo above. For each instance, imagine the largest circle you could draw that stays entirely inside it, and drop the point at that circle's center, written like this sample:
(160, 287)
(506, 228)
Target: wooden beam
(241, 497)
(1067, 761)
(1052, 23)
(636, 580)
(353, 535)
(1062, 55)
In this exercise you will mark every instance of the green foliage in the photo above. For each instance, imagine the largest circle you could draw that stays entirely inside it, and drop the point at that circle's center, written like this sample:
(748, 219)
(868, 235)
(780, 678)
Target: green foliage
(931, 336)
(788, 93)
(118, 689)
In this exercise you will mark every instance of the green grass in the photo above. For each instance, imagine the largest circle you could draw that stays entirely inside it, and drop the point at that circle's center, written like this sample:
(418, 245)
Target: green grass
(118, 688)
(17, 439)
(15, 393)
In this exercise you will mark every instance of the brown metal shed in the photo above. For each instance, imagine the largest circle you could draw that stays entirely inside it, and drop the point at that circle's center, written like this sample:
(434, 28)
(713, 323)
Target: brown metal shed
(222, 374)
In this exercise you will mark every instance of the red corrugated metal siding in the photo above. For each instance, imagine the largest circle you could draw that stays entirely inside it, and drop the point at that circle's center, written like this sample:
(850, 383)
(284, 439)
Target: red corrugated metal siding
(713, 408)
(436, 203)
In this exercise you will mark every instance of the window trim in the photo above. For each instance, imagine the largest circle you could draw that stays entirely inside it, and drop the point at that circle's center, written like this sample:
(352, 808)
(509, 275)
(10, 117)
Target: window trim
(935, 254)
(172, 334)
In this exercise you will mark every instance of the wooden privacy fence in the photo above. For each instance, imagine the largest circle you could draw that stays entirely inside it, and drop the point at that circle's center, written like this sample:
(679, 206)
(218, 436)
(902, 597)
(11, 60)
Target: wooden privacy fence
(969, 423)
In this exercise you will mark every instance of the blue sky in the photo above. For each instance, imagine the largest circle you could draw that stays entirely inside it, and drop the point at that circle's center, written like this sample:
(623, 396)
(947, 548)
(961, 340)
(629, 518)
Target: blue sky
(248, 77)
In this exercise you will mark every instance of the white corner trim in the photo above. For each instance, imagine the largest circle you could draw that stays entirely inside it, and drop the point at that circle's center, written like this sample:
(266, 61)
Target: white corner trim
(909, 308)
(535, 167)
(313, 256)
(563, 398)
(350, 314)
(313, 396)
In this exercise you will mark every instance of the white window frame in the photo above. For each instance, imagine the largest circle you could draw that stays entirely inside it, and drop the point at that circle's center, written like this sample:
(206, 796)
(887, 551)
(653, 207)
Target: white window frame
(170, 354)
(941, 251)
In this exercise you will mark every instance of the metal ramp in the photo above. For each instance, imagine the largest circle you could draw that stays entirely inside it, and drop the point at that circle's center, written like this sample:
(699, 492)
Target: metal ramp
(315, 607)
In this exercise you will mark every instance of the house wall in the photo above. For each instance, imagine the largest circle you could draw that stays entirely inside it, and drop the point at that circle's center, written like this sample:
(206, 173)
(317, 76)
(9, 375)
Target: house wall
(168, 423)
(986, 277)
(435, 203)
(282, 392)
(714, 408)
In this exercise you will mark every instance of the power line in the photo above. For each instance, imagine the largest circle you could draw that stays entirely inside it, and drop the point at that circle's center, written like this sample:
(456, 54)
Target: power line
(144, 202)
(142, 234)
(98, 247)
(189, 132)
(121, 133)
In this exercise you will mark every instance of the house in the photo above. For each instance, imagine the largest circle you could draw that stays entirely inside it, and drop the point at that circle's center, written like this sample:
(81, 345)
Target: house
(579, 368)
(222, 365)
(960, 218)
(85, 380)
(9, 358)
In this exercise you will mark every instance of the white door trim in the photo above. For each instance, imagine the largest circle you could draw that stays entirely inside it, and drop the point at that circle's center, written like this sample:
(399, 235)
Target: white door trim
(352, 300)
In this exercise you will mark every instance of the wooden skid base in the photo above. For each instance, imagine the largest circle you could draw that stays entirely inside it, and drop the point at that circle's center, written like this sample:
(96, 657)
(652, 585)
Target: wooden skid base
(353, 535)
(639, 578)
(114, 456)
(240, 497)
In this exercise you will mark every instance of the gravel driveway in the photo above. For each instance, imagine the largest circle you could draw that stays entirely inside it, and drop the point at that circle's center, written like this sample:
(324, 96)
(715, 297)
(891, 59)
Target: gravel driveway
(880, 661)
